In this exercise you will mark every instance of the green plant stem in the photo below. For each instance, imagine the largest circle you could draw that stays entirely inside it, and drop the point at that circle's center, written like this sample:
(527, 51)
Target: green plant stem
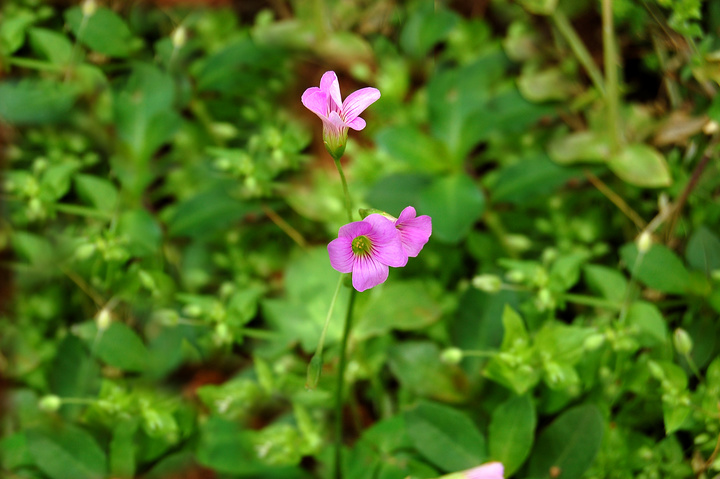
(611, 75)
(563, 25)
(316, 362)
(480, 354)
(34, 64)
(346, 191)
(82, 211)
(339, 388)
(590, 301)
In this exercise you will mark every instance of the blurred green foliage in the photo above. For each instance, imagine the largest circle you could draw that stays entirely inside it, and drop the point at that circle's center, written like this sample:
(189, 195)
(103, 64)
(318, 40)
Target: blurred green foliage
(167, 201)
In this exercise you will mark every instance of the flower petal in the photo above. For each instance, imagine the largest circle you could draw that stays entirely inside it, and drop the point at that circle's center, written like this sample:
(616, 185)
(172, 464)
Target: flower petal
(358, 101)
(316, 101)
(491, 470)
(330, 85)
(342, 258)
(357, 124)
(414, 232)
(367, 273)
(354, 229)
(387, 246)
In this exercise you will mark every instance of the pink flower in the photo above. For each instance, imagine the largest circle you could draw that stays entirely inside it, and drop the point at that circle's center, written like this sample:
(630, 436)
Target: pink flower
(414, 231)
(491, 470)
(366, 248)
(337, 116)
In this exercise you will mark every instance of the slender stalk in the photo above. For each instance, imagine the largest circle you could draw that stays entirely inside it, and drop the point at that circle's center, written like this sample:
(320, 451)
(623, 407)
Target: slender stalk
(285, 226)
(615, 199)
(346, 191)
(82, 211)
(611, 75)
(563, 25)
(315, 367)
(339, 388)
(590, 301)
(34, 64)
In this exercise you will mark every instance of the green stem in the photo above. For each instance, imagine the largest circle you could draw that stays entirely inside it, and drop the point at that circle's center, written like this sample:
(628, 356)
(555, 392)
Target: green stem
(480, 354)
(348, 201)
(611, 75)
(82, 211)
(315, 366)
(563, 25)
(34, 64)
(339, 388)
(590, 301)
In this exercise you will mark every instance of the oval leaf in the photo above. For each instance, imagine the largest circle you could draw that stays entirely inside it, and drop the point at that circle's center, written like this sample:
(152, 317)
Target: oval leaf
(121, 347)
(512, 431)
(641, 165)
(569, 444)
(445, 436)
(67, 452)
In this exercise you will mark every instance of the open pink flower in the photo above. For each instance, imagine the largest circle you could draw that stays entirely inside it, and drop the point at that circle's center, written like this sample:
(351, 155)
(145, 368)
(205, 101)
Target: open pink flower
(337, 116)
(491, 470)
(366, 248)
(414, 231)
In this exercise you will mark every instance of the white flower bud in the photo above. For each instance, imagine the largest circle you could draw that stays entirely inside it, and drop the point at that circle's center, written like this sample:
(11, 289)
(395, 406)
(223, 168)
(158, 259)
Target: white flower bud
(89, 7)
(487, 282)
(179, 37)
(644, 242)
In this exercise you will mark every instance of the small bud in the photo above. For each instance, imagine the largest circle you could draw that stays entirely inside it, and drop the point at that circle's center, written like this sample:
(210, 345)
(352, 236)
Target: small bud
(682, 341)
(487, 282)
(85, 251)
(711, 127)
(103, 319)
(644, 242)
(50, 403)
(451, 356)
(313, 371)
(179, 37)
(365, 212)
(518, 242)
(89, 7)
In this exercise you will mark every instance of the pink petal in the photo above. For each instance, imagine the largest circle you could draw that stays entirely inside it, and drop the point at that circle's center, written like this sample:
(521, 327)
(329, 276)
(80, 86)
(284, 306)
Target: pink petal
(491, 470)
(406, 214)
(358, 101)
(414, 232)
(368, 273)
(334, 124)
(316, 101)
(354, 229)
(341, 255)
(329, 84)
(357, 124)
(387, 247)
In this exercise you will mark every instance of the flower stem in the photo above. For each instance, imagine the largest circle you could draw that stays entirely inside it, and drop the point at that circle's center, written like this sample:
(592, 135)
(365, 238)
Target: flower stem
(339, 388)
(578, 47)
(611, 75)
(348, 201)
(315, 366)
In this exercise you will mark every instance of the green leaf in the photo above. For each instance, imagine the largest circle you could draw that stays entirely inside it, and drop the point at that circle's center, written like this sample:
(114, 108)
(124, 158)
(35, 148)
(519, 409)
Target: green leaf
(417, 367)
(73, 373)
(50, 45)
(208, 212)
(104, 31)
(403, 306)
(608, 282)
(651, 326)
(570, 444)
(121, 347)
(35, 101)
(14, 452)
(529, 179)
(516, 334)
(428, 24)
(539, 7)
(12, 30)
(67, 452)
(141, 231)
(703, 250)
(98, 192)
(418, 150)
(583, 146)
(454, 203)
(122, 449)
(659, 268)
(445, 436)
(393, 193)
(641, 165)
(226, 448)
(565, 271)
(512, 431)
(55, 181)
(546, 85)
